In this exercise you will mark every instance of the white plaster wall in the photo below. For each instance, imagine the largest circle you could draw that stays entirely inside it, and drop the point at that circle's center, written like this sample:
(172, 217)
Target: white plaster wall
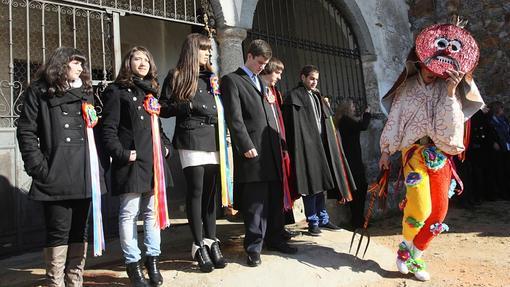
(389, 27)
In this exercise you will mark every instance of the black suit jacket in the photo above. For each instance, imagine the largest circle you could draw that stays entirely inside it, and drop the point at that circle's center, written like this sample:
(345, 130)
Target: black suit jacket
(252, 125)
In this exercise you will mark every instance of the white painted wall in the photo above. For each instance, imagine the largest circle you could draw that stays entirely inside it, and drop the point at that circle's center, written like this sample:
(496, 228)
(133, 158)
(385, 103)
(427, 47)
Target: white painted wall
(389, 27)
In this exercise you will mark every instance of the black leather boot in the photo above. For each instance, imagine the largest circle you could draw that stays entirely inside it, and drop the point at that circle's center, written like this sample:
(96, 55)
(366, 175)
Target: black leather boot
(216, 256)
(136, 275)
(151, 263)
(201, 255)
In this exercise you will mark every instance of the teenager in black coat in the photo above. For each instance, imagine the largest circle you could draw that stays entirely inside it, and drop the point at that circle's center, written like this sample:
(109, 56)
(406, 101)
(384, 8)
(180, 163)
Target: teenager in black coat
(187, 94)
(128, 139)
(350, 128)
(54, 146)
(317, 157)
(256, 149)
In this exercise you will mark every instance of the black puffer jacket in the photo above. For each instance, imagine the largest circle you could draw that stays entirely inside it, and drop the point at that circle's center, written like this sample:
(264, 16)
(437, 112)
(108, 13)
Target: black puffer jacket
(53, 143)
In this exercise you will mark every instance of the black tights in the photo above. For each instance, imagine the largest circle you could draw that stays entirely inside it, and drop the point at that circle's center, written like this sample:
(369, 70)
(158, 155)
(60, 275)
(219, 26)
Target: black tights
(200, 200)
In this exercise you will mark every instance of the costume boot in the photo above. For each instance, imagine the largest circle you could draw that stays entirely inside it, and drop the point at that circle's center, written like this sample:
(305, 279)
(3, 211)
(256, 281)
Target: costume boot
(420, 271)
(55, 259)
(136, 276)
(403, 256)
(201, 255)
(213, 246)
(151, 263)
(76, 255)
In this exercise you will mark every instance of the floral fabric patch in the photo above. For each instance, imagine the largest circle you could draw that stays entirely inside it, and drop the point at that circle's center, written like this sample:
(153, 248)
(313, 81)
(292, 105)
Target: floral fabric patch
(438, 228)
(434, 158)
(414, 223)
(451, 190)
(413, 178)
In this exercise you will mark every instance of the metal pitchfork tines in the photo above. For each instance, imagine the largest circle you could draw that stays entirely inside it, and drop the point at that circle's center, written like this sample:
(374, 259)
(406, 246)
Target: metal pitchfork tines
(380, 188)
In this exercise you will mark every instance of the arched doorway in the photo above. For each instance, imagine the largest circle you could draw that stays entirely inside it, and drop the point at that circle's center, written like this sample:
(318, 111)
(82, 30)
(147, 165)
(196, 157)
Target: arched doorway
(312, 32)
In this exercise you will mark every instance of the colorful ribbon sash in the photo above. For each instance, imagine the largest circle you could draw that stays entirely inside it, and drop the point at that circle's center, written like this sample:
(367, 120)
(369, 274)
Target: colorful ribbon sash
(346, 194)
(152, 107)
(225, 170)
(287, 198)
(90, 117)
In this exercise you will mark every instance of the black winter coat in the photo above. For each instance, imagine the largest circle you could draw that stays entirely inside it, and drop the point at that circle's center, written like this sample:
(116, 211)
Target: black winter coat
(196, 121)
(53, 143)
(252, 124)
(318, 161)
(350, 130)
(126, 127)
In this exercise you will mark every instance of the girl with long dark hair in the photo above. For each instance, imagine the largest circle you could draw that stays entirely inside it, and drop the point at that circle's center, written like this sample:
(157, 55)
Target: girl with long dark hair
(133, 137)
(189, 94)
(350, 128)
(57, 146)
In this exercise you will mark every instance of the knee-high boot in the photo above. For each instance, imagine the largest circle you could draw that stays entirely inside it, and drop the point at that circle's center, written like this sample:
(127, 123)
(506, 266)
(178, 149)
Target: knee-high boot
(76, 255)
(55, 260)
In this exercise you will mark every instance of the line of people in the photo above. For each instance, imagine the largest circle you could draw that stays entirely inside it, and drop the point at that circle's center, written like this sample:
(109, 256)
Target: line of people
(283, 148)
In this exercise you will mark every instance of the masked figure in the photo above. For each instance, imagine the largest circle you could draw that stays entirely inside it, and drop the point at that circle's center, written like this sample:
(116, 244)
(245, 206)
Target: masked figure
(427, 108)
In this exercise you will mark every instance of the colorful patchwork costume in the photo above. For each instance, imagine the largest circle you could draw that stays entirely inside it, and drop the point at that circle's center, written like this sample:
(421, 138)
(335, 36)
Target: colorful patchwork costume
(427, 126)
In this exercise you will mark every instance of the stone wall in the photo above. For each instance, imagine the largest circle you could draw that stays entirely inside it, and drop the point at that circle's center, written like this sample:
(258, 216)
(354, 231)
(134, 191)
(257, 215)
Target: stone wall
(489, 22)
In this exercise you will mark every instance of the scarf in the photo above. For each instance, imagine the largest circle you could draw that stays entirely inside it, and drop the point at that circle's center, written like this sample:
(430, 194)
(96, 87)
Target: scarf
(225, 169)
(90, 118)
(288, 199)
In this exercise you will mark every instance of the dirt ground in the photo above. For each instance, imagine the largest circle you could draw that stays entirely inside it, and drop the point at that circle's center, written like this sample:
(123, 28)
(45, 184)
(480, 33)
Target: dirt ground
(475, 252)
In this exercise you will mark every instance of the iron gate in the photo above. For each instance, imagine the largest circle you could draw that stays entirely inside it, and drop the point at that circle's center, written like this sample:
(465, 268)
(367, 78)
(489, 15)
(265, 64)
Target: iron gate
(312, 32)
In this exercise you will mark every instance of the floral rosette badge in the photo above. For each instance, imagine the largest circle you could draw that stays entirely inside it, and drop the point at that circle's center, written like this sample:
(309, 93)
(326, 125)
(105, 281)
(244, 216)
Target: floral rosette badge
(215, 85)
(89, 115)
(151, 105)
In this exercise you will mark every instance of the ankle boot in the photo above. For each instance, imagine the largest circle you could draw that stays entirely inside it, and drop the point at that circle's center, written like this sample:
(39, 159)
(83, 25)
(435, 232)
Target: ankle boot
(201, 255)
(151, 263)
(55, 260)
(76, 255)
(136, 275)
(215, 253)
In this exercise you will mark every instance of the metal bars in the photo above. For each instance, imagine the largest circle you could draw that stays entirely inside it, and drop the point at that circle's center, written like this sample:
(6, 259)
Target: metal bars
(312, 32)
(182, 11)
(34, 29)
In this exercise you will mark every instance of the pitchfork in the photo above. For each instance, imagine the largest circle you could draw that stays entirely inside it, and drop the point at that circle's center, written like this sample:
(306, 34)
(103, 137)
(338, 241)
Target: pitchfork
(380, 188)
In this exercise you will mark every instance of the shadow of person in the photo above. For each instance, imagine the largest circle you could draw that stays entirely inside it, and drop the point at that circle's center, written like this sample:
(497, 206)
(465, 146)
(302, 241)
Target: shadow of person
(316, 255)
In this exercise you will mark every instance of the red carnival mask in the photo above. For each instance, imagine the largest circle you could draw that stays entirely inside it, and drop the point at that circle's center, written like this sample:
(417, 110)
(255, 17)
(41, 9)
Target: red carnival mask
(444, 47)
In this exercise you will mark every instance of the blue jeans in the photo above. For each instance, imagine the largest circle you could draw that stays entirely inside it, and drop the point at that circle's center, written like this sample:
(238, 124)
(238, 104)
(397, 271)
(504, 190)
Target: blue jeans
(315, 209)
(131, 204)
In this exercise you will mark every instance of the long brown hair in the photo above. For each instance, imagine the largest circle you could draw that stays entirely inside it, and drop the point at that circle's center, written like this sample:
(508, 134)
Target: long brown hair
(54, 72)
(344, 110)
(125, 76)
(185, 75)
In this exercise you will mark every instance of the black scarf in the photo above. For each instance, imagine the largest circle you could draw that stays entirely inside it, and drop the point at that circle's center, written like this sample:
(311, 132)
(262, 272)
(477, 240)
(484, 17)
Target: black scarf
(145, 86)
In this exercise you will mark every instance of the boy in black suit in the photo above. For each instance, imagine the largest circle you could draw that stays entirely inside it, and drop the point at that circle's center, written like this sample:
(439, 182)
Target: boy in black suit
(257, 159)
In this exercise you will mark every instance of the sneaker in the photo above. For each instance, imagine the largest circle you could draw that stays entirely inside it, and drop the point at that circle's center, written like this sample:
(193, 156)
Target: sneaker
(330, 226)
(314, 230)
